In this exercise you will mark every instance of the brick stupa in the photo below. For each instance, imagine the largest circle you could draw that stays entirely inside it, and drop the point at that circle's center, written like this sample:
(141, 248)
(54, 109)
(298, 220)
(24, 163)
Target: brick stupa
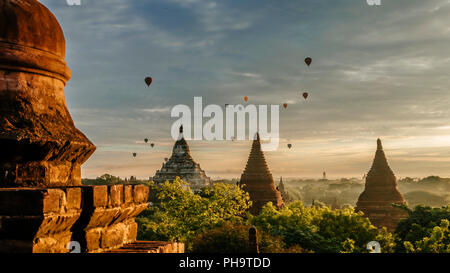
(380, 193)
(43, 206)
(258, 181)
(182, 165)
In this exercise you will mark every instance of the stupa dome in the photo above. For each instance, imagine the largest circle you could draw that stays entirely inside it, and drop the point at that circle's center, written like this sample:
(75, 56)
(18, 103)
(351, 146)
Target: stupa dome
(31, 39)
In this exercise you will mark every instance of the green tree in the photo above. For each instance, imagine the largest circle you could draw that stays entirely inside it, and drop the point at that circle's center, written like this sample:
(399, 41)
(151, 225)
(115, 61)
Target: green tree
(317, 228)
(438, 241)
(180, 214)
(232, 238)
(425, 230)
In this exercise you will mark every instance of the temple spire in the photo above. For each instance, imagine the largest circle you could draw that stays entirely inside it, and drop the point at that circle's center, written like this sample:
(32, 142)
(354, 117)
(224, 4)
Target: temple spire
(380, 193)
(281, 186)
(180, 135)
(380, 164)
(258, 181)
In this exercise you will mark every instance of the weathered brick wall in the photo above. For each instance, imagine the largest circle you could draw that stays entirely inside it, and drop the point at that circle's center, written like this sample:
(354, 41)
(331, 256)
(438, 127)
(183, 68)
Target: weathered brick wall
(100, 218)
(107, 220)
(38, 220)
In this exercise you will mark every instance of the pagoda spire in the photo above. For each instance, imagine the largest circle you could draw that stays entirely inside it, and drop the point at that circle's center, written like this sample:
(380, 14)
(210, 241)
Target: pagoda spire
(258, 181)
(180, 135)
(380, 193)
(281, 186)
(380, 162)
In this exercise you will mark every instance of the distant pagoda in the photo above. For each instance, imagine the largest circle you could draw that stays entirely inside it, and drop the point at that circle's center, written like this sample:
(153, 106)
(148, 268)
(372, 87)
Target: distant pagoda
(284, 194)
(181, 164)
(380, 193)
(335, 205)
(258, 181)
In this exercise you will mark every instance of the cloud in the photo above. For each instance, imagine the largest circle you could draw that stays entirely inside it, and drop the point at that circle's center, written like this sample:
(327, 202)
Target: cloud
(157, 110)
(376, 72)
(246, 74)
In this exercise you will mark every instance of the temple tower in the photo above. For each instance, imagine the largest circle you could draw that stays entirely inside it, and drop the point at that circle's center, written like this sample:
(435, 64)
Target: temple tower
(181, 164)
(380, 193)
(258, 181)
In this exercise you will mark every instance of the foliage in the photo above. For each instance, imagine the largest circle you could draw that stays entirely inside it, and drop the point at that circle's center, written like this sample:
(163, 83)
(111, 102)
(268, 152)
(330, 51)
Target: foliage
(317, 228)
(386, 240)
(216, 220)
(181, 214)
(230, 238)
(425, 230)
(438, 241)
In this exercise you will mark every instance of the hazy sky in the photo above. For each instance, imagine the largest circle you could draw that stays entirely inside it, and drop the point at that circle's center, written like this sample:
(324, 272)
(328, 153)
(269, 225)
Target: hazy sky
(377, 72)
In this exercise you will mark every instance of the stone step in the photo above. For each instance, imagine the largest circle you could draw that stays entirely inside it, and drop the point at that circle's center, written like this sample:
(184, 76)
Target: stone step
(150, 247)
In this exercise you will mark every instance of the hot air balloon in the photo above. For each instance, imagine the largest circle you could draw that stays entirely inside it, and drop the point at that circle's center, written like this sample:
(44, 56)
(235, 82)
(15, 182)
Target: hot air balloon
(134, 154)
(305, 95)
(308, 61)
(289, 146)
(153, 145)
(146, 140)
(285, 105)
(148, 81)
(246, 99)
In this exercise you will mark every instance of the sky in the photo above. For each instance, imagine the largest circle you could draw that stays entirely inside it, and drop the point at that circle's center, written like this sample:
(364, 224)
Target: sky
(377, 72)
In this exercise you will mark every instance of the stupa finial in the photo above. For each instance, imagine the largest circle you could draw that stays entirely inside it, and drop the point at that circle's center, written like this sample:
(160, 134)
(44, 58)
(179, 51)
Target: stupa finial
(379, 146)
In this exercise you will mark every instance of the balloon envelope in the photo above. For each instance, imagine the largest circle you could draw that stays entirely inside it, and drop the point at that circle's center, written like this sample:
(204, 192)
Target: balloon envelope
(146, 140)
(246, 98)
(134, 154)
(153, 145)
(305, 95)
(308, 61)
(289, 146)
(285, 105)
(148, 81)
